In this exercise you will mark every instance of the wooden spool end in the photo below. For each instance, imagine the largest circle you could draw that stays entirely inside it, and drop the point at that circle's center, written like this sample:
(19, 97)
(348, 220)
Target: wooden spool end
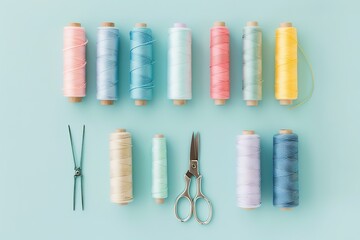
(121, 130)
(179, 102)
(252, 24)
(159, 135)
(140, 102)
(252, 103)
(107, 24)
(140, 25)
(285, 209)
(106, 102)
(285, 131)
(286, 24)
(159, 200)
(220, 102)
(75, 99)
(285, 102)
(248, 132)
(74, 24)
(219, 24)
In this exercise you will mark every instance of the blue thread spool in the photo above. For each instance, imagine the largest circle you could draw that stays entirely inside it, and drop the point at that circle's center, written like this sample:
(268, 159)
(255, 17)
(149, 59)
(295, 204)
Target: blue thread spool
(107, 63)
(285, 170)
(141, 64)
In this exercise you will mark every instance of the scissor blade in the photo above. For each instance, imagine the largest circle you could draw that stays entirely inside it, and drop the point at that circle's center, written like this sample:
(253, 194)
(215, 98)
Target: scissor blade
(197, 143)
(192, 148)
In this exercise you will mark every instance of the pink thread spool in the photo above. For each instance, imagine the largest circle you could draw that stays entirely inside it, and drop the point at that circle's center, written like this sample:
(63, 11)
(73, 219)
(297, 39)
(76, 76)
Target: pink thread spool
(219, 63)
(74, 62)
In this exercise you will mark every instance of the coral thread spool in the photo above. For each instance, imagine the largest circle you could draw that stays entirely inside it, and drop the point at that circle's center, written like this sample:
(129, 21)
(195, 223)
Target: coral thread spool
(139, 102)
(110, 25)
(288, 100)
(223, 61)
(75, 99)
(252, 103)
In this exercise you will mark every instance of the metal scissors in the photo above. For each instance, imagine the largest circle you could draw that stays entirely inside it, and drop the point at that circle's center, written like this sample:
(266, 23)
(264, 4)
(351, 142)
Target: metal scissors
(77, 168)
(193, 172)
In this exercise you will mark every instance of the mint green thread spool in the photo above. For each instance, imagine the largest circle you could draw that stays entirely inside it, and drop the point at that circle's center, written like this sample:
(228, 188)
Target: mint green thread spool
(252, 64)
(159, 169)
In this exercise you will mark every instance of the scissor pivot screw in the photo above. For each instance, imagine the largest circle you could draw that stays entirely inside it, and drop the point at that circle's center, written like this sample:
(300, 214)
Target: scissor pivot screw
(193, 166)
(77, 172)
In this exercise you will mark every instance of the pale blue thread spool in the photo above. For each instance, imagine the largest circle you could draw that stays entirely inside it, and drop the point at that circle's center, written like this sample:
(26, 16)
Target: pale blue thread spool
(107, 63)
(252, 64)
(285, 170)
(141, 64)
(179, 64)
(159, 169)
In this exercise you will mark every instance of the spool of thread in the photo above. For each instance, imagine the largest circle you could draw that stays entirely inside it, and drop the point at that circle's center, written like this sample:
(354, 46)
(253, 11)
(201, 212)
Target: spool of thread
(286, 83)
(159, 169)
(74, 62)
(179, 64)
(285, 178)
(248, 187)
(219, 63)
(252, 64)
(121, 167)
(141, 64)
(107, 63)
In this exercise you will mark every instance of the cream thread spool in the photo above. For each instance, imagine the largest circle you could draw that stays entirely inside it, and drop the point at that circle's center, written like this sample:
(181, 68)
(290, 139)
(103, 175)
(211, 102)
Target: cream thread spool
(159, 200)
(252, 103)
(139, 102)
(285, 101)
(219, 102)
(121, 167)
(75, 99)
(109, 25)
(285, 131)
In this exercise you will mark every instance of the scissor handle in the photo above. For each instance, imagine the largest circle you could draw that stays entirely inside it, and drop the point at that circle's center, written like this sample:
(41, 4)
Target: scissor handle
(185, 194)
(200, 195)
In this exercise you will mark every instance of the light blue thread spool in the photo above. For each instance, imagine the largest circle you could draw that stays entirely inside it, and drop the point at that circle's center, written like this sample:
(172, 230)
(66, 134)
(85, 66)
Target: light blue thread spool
(159, 169)
(141, 64)
(285, 170)
(252, 64)
(179, 64)
(107, 63)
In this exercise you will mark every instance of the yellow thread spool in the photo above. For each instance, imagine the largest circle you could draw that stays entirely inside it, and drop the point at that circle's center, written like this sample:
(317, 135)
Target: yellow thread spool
(286, 83)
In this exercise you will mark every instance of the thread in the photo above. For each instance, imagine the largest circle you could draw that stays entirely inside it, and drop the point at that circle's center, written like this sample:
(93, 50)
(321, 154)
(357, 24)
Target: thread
(248, 187)
(179, 64)
(159, 169)
(219, 63)
(121, 187)
(107, 63)
(74, 62)
(141, 64)
(285, 164)
(252, 64)
(286, 83)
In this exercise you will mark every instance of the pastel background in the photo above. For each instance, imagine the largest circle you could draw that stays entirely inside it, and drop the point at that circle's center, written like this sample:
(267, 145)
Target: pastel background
(36, 173)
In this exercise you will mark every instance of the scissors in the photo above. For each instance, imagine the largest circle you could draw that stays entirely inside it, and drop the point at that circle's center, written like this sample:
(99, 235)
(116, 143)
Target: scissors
(193, 172)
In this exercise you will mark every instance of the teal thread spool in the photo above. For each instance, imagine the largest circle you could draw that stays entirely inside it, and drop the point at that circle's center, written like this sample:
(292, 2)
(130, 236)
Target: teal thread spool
(159, 169)
(252, 64)
(285, 170)
(141, 64)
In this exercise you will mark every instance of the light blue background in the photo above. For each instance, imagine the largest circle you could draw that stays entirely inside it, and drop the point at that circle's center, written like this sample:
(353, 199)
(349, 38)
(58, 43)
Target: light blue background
(35, 159)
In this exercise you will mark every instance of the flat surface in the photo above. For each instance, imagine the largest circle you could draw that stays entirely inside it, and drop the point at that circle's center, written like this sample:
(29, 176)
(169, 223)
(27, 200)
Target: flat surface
(35, 159)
